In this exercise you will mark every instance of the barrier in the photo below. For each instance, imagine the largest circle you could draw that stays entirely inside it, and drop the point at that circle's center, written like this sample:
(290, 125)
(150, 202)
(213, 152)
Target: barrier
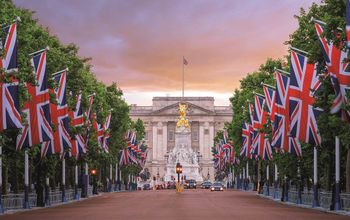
(325, 197)
(16, 201)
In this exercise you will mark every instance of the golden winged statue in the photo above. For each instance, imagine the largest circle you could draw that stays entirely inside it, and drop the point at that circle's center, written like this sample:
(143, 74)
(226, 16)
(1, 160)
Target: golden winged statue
(183, 121)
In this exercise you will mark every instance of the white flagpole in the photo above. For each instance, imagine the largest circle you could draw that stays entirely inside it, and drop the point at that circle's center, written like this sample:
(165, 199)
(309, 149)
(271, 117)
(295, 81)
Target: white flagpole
(116, 178)
(47, 192)
(267, 179)
(337, 174)
(275, 184)
(110, 177)
(86, 178)
(64, 199)
(76, 196)
(26, 180)
(183, 77)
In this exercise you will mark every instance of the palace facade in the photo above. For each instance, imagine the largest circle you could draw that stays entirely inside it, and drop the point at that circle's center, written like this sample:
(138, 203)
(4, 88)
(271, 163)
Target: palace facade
(160, 119)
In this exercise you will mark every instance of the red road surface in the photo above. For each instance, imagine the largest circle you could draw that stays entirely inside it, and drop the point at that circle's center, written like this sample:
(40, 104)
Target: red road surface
(164, 205)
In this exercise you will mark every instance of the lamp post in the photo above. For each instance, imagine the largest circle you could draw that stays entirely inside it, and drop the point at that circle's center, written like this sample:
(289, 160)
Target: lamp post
(94, 184)
(178, 171)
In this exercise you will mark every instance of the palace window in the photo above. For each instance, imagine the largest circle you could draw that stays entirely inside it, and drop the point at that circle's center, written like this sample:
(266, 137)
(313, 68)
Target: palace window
(171, 135)
(195, 135)
(146, 135)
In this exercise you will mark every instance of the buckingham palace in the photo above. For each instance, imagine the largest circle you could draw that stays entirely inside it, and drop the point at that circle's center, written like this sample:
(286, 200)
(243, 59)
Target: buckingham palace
(160, 119)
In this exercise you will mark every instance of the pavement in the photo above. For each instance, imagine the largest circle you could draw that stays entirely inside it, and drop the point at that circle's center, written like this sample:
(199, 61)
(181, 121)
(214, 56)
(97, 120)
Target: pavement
(167, 204)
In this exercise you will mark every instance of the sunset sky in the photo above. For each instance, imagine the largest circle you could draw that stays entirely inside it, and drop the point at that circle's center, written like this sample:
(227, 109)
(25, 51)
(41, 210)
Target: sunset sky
(140, 43)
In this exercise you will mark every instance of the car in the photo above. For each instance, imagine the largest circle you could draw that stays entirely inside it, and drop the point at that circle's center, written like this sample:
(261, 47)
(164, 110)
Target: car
(217, 186)
(206, 185)
(171, 185)
(147, 186)
(191, 184)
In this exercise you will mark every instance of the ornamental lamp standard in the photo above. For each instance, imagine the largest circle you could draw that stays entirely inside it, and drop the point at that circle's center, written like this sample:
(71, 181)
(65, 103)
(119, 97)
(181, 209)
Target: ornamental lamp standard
(93, 172)
(94, 183)
(178, 171)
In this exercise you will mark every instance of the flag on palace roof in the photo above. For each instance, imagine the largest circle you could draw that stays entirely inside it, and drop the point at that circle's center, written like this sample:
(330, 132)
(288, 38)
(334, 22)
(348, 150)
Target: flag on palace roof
(185, 62)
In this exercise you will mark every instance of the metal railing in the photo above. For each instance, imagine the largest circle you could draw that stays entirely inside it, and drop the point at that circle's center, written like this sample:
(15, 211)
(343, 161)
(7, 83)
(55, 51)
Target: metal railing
(16, 201)
(307, 197)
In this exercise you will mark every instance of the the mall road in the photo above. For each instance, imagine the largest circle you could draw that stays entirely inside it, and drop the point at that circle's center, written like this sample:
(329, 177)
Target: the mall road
(167, 205)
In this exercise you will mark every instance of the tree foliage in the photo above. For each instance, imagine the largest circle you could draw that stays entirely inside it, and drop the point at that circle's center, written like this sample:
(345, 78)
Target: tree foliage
(32, 37)
(305, 38)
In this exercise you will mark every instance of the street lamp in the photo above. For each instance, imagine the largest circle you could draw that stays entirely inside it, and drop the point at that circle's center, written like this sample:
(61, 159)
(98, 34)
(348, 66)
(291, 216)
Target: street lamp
(94, 184)
(178, 171)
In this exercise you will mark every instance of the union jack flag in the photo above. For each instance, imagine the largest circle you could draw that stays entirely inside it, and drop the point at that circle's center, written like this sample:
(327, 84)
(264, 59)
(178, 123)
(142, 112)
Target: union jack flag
(37, 128)
(77, 120)
(261, 144)
(107, 134)
(10, 116)
(143, 158)
(270, 98)
(247, 136)
(9, 45)
(281, 139)
(98, 129)
(337, 69)
(87, 115)
(303, 83)
(59, 112)
(124, 157)
(348, 22)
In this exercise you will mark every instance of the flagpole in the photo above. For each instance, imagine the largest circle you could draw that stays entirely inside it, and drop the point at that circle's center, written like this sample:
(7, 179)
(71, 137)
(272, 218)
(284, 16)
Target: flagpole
(76, 195)
(116, 177)
(315, 202)
(183, 78)
(26, 180)
(110, 177)
(275, 183)
(1, 206)
(47, 191)
(337, 174)
(267, 180)
(64, 199)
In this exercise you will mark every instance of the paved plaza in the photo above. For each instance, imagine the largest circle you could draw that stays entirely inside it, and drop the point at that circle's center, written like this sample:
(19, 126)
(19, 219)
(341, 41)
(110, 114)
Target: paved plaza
(167, 205)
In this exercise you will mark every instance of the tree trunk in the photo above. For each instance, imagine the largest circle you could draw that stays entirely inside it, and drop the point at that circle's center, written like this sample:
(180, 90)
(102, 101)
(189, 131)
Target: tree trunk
(348, 171)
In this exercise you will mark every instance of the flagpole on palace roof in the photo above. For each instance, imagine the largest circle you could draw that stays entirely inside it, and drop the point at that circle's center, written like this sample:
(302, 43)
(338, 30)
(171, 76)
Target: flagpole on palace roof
(183, 77)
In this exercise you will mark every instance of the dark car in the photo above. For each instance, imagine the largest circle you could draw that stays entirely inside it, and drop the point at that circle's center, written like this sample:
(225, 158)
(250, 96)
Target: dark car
(146, 186)
(191, 184)
(217, 186)
(206, 185)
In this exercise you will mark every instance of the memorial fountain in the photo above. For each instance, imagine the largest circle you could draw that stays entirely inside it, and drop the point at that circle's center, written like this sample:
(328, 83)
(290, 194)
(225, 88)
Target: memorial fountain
(182, 152)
